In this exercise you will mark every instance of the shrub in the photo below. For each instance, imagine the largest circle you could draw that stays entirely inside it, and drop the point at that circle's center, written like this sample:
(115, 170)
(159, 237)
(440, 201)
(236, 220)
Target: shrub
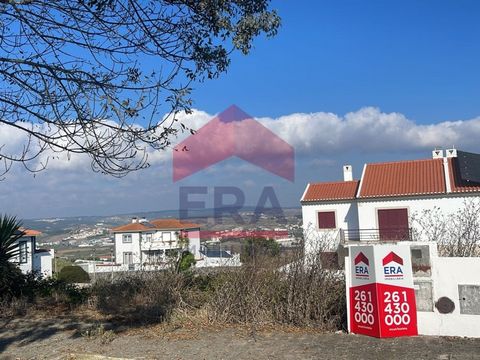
(259, 247)
(300, 294)
(457, 234)
(32, 291)
(73, 274)
(146, 297)
(11, 281)
(186, 261)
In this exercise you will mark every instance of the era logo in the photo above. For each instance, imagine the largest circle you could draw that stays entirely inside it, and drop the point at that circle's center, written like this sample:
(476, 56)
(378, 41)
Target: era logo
(361, 265)
(222, 208)
(392, 270)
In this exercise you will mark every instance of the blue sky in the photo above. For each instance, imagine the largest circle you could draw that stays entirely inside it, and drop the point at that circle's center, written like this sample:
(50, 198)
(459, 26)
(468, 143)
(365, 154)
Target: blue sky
(417, 57)
(343, 82)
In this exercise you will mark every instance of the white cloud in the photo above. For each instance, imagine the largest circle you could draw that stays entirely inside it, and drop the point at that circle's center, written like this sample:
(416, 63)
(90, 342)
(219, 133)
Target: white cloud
(369, 129)
(323, 140)
(311, 134)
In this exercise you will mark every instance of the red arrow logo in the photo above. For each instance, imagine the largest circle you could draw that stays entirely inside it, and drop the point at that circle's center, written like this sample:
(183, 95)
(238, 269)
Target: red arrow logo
(233, 133)
(392, 257)
(361, 258)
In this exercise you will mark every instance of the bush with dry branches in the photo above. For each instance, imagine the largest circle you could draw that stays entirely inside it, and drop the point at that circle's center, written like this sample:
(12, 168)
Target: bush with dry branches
(457, 233)
(267, 291)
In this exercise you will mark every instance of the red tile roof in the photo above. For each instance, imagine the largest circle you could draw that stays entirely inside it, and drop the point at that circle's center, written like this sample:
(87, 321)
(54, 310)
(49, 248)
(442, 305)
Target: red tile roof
(173, 224)
(132, 227)
(401, 178)
(456, 182)
(159, 224)
(416, 177)
(341, 190)
(30, 232)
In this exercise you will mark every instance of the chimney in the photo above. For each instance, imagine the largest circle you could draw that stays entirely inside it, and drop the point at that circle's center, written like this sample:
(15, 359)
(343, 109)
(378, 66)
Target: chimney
(437, 154)
(134, 220)
(451, 153)
(347, 173)
(142, 220)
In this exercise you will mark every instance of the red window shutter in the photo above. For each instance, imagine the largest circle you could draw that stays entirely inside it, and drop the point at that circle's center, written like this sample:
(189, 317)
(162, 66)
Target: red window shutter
(393, 224)
(326, 220)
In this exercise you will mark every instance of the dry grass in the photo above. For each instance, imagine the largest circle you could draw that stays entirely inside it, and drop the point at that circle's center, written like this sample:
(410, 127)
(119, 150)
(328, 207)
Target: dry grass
(261, 293)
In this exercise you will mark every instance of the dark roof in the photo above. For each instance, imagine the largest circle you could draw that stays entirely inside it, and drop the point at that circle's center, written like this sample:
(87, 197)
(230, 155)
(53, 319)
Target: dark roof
(457, 183)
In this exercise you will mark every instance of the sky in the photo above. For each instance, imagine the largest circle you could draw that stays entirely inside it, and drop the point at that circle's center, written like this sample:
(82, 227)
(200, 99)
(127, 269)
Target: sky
(342, 82)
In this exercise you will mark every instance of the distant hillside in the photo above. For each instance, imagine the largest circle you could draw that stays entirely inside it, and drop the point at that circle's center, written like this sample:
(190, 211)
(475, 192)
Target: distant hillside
(60, 226)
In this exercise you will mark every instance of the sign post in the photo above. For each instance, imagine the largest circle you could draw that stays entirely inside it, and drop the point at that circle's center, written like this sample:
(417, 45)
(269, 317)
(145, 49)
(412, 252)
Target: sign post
(381, 295)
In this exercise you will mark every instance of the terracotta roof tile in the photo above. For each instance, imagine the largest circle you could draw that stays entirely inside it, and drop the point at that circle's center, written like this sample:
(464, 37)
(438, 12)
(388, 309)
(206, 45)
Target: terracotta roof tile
(131, 227)
(173, 224)
(456, 182)
(416, 177)
(30, 232)
(159, 224)
(341, 190)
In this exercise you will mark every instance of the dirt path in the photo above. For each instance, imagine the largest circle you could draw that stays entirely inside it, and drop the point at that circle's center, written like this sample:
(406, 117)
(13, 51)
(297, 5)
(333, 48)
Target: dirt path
(67, 338)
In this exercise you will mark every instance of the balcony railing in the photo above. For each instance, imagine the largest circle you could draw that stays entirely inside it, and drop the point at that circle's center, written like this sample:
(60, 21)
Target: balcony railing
(375, 235)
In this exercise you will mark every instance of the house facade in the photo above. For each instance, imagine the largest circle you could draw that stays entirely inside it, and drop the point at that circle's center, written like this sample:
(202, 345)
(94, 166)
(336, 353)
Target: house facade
(30, 258)
(381, 204)
(147, 244)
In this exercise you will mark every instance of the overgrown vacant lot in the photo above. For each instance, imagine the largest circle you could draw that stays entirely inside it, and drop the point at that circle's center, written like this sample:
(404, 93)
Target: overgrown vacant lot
(77, 338)
(262, 310)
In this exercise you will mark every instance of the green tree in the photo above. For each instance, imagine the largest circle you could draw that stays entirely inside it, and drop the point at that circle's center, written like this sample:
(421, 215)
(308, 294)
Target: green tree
(73, 274)
(96, 77)
(259, 246)
(9, 234)
(11, 278)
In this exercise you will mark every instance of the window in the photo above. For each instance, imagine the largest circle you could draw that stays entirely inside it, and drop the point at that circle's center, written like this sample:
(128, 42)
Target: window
(22, 252)
(326, 220)
(148, 237)
(393, 224)
(167, 236)
(127, 238)
(127, 258)
(154, 256)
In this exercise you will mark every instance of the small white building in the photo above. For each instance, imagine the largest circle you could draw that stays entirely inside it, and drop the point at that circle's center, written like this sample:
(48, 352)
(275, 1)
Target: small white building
(217, 257)
(380, 205)
(146, 244)
(30, 258)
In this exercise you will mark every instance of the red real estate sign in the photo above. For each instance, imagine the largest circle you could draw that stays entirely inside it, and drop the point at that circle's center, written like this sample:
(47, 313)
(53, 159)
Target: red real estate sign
(381, 294)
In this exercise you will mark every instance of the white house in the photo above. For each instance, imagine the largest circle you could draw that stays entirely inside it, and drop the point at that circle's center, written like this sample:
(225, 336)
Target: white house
(380, 205)
(30, 258)
(146, 244)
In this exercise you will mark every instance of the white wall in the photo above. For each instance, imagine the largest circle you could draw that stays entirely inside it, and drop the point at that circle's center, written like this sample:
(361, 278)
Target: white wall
(346, 217)
(43, 262)
(194, 243)
(447, 274)
(219, 262)
(133, 247)
(27, 266)
(367, 209)
(139, 241)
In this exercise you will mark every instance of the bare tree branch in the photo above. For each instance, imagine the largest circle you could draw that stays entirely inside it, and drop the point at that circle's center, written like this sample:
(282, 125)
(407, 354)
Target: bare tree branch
(97, 77)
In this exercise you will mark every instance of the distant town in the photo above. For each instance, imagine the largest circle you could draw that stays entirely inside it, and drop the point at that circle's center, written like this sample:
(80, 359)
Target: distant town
(91, 238)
